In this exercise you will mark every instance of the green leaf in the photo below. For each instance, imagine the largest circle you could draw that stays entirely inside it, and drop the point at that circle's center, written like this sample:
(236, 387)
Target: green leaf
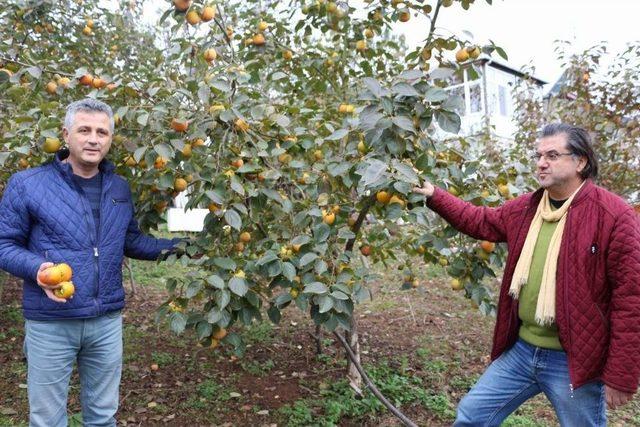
(321, 232)
(406, 172)
(339, 295)
(164, 150)
(502, 53)
(338, 169)
(238, 286)
(320, 266)
(223, 298)
(339, 134)
(448, 121)
(233, 219)
(221, 85)
(35, 72)
(215, 196)
(404, 89)
(435, 94)
(214, 315)
(143, 119)
(374, 172)
(178, 322)
(282, 299)
(411, 75)
(274, 314)
(268, 257)
(403, 122)
(272, 194)
(325, 303)
(288, 270)
(301, 240)
(374, 86)
(369, 118)
(193, 289)
(307, 258)
(236, 185)
(216, 281)
(204, 330)
(316, 288)
(274, 269)
(225, 263)
(281, 120)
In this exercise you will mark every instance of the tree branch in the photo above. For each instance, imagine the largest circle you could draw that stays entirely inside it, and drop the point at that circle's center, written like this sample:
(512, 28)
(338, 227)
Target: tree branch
(395, 411)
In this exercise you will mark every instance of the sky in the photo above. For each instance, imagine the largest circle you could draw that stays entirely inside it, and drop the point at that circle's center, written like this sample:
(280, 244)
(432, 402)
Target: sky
(527, 29)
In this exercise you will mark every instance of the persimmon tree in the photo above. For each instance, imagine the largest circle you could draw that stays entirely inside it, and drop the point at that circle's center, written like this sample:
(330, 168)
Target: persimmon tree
(302, 127)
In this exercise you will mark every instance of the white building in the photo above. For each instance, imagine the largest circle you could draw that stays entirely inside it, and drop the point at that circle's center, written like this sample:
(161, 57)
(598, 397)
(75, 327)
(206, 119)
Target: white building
(488, 97)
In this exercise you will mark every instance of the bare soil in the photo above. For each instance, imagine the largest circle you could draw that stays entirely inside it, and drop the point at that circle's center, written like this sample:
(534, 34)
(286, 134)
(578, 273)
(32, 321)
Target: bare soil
(430, 335)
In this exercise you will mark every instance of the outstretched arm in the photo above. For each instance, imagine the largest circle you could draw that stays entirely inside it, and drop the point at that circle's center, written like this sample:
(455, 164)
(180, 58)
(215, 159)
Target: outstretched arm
(478, 222)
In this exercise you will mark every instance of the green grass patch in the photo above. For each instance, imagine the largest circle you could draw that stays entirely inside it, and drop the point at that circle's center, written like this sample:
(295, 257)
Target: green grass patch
(255, 333)
(521, 421)
(256, 368)
(338, 402)
(162, 358)
(7, 421)
(297, 414)
(151, 273)
(11, 313)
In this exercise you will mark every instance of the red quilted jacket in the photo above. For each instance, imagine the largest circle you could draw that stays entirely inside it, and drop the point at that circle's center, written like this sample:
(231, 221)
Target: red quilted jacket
(598, 278)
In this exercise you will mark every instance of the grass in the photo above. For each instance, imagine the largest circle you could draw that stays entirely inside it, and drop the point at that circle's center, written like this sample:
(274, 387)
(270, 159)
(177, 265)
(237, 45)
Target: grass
(521, 421)
(162, 358)
(208, 394)
(338, 402)
(297, 414)
(259, 333)
(6, 421)
(256, 368)
(150, 273)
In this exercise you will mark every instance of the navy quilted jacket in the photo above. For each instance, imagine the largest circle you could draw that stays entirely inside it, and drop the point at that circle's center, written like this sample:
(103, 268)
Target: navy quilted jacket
(44, 216)
(598, 278)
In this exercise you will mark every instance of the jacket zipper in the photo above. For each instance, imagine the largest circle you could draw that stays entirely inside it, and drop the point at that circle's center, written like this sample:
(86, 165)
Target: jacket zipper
(566, 310)
(95, 234)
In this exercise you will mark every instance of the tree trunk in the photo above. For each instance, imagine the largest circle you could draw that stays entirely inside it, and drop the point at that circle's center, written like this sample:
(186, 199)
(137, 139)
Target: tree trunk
(128, 264)
(370, 385)
(353, 374)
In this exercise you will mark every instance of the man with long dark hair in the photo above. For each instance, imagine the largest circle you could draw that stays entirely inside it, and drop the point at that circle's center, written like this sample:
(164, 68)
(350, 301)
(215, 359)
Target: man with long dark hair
(568, 320)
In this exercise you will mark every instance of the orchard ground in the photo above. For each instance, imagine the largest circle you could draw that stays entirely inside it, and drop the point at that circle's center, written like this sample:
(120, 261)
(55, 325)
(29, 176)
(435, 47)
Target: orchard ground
(424, 348)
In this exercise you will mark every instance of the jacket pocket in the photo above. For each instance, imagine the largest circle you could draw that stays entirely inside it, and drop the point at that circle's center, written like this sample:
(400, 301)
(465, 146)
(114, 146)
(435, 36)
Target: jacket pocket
(119, 201)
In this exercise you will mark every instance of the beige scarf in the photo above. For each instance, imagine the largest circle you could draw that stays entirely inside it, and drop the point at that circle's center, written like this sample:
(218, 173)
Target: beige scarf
(546, 307)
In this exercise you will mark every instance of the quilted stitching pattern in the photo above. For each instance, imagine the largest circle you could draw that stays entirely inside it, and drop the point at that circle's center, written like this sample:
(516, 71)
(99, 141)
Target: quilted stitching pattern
(598, 282)
(43, 217)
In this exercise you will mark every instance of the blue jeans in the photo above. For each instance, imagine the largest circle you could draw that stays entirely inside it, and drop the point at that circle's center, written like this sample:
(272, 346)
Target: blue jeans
(521, 373)
(52, 347)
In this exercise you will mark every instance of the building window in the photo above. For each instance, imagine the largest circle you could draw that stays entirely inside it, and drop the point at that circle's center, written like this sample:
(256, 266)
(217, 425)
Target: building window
(502, 100)
(475, 98)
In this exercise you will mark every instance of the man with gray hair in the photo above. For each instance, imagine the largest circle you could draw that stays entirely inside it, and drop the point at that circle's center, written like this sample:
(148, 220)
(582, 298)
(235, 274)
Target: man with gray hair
(568, 321)
(74, 210)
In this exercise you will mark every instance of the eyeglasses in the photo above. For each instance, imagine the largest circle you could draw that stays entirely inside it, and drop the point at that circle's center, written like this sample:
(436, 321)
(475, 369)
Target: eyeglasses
(550, 156)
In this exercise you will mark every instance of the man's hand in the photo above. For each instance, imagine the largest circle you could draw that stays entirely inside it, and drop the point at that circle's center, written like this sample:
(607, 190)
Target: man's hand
(615, 397)
(48, 289)
(426, 189)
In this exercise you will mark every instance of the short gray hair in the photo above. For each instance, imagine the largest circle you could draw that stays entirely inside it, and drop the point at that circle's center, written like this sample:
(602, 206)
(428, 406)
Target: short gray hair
(87, 105)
